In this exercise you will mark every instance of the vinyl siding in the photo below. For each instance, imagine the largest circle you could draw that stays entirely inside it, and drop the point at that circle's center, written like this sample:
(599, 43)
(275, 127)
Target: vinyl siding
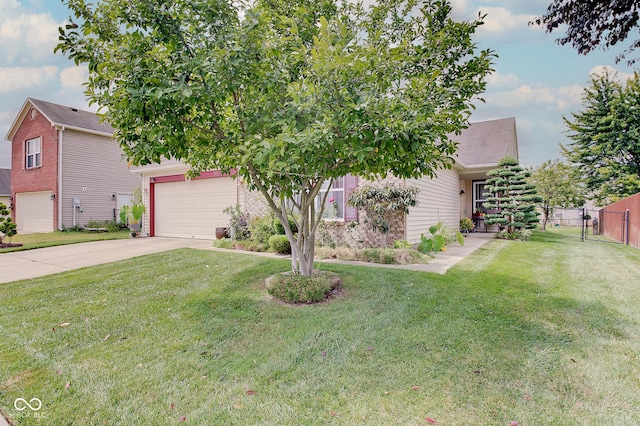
(439, 200)
(93, 168)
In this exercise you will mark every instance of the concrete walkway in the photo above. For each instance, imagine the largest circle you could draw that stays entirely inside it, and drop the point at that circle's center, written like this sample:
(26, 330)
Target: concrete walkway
(27, 264)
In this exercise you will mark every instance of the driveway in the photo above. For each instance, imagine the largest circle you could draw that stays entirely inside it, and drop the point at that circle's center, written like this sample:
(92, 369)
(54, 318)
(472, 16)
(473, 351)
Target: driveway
(26, 264)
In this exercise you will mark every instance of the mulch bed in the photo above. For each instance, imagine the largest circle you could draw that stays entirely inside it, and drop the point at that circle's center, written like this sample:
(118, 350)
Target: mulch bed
(7, 245)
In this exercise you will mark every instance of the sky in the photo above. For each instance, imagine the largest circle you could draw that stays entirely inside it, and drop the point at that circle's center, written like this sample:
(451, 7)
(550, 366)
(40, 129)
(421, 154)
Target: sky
(535, 80)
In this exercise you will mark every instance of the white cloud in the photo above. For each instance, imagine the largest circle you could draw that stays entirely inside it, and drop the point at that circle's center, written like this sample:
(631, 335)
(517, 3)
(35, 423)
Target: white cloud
(620, 76)
(74, 76)
(26, 78)
(526, 96)
(500, 20)
(25, 37)
(497, 79)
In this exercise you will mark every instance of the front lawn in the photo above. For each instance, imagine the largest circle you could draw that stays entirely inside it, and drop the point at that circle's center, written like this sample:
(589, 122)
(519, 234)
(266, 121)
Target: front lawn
(540, 333)
(58, 238)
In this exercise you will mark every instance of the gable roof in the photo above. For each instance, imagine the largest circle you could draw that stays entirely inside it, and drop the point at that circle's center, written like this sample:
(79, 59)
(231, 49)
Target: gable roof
(5, 181)
(485, 143)
(62, 116)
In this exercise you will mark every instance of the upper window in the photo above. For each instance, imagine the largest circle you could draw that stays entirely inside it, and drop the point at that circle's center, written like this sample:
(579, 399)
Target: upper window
(34, 156)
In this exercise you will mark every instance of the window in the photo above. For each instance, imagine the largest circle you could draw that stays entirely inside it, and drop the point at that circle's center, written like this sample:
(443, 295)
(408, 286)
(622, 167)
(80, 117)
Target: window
(34, 156)
(478, 196)
(336, 207)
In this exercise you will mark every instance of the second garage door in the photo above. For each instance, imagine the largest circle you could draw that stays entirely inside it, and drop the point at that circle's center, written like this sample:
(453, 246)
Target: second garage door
(193, 209)
(34, 212)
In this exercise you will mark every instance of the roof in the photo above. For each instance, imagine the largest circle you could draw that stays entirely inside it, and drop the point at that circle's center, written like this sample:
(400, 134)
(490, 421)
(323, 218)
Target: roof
(485, 143)
(62, 116)
(5, 181)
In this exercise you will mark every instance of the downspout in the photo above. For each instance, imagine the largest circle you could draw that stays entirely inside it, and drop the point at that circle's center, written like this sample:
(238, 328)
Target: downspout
(59, 195)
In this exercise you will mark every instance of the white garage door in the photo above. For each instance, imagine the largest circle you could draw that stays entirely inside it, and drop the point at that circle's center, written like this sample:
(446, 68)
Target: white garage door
(34, 212)
(193, 209)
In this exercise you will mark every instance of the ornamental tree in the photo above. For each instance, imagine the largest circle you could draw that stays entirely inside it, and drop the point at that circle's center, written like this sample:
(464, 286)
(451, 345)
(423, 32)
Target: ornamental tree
(558, 186)
(511, 197)
(291, 94)
(381, 204)
(7, 225)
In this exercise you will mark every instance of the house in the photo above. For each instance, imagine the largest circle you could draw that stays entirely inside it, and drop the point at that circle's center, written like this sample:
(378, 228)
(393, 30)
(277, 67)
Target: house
(177, 207)
(66, 168)
(5, 187)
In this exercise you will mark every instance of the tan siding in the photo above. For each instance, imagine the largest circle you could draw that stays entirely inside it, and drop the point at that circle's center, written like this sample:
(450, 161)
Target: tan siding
(93, 168)
(439, 200)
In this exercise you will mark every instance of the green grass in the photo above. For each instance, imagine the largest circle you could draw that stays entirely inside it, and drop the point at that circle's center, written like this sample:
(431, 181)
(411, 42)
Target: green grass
(58, 238)
(544, 332)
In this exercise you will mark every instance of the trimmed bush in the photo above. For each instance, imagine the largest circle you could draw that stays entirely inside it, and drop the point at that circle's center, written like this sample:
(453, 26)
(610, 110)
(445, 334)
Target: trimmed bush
(261, 228)
(295, 288)
(280, 244)
(280, 229)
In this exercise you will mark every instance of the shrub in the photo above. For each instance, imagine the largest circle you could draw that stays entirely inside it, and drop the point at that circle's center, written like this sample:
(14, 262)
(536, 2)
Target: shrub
(280, 229)
(239, 222)
(295, 288)
(7, 225)
(401, 244)
(440, 237)
(261, 228)
(280, 244)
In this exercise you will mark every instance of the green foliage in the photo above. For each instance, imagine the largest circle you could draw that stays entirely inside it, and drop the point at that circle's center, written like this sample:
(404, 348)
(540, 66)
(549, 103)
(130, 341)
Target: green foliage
(239, 222)
(280, 244)
(296, 288)
(606, 138)
(512, 199)
(261, 228)
(558, 185)
(440, 237)
(292, 224)
(7, 225)
(225, 243)
(132, 214)
(517, 234)
(401, 244)
(288, 94)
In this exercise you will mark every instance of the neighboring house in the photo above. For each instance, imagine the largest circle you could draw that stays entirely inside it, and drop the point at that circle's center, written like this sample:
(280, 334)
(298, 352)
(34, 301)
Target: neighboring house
(5, 187)
(177, 207)
(66, 168)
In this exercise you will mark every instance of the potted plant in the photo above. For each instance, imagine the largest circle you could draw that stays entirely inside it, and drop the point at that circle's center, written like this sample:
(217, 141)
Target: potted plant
(466, 225)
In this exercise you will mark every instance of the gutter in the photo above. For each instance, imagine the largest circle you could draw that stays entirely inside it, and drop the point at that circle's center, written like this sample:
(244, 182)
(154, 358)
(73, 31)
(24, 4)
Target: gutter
(60, 138)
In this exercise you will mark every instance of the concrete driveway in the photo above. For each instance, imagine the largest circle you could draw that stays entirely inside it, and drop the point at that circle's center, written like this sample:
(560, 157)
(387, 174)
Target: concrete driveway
(51, 260)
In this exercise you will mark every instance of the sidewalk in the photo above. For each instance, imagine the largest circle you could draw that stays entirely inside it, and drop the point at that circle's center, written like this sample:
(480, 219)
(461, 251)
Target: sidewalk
(443, 260)
(27, 264)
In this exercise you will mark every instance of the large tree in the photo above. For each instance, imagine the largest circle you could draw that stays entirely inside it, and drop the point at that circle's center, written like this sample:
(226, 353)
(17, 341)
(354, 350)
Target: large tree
(290, 93)
(606, 138)
(594, 23)
(558, 186)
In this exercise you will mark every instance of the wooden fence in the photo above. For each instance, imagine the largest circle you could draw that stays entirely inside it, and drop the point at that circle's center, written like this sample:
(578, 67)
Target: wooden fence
(630, 209)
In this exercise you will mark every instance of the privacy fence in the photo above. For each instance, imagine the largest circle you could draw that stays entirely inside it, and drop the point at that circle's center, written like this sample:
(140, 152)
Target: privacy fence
(621, 221)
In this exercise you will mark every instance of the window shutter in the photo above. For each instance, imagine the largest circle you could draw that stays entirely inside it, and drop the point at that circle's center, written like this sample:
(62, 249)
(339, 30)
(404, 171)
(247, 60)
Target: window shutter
(350, 184)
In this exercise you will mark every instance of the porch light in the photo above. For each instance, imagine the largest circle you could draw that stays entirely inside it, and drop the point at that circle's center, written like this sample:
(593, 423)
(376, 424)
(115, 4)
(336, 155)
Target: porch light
(52, 196)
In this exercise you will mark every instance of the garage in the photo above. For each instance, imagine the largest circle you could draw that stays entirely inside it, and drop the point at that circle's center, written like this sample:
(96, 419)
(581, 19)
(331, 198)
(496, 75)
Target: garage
(34, 212)
(192, 209)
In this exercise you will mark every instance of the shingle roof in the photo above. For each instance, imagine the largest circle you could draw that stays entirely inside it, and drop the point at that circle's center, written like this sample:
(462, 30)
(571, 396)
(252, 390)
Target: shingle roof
(5, 181)
(71, 117)
(487, 142)
(62, 116)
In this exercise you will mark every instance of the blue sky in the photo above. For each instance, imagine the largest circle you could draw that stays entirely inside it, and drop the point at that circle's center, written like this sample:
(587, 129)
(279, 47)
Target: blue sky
(536, 81)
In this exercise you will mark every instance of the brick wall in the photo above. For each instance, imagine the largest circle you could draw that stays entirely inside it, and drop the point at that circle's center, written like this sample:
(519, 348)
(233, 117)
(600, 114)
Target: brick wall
(43, 178)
